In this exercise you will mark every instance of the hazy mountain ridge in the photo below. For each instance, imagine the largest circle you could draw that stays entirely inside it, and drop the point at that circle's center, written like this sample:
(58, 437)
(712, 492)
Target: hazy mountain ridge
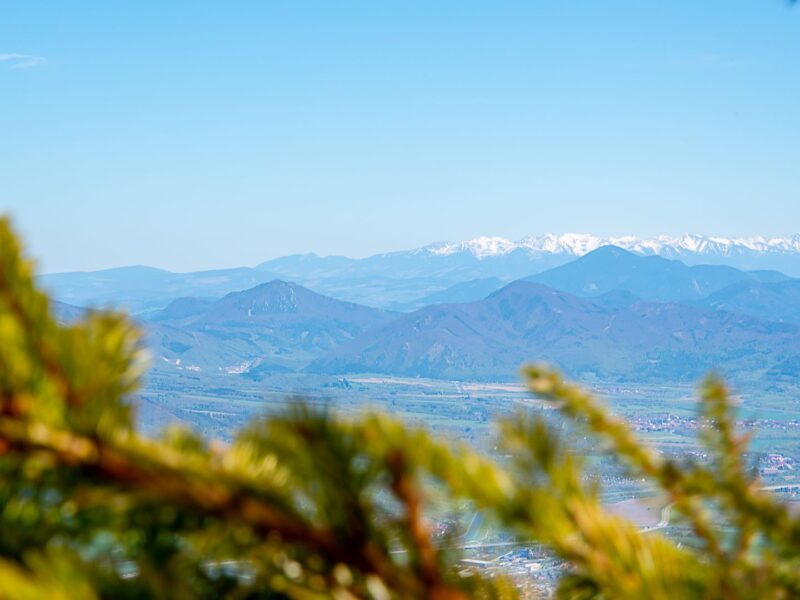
(610, 313)
(141, 289)
(612, 269)
(275, 325)
(407, 278)
(524, 321)
(467, 291)
(773, 300)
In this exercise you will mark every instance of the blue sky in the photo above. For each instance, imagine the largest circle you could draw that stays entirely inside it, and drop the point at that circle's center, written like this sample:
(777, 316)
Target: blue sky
(192, 135)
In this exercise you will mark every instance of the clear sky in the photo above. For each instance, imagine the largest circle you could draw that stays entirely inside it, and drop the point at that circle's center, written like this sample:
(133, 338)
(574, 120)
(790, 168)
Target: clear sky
(194, 134)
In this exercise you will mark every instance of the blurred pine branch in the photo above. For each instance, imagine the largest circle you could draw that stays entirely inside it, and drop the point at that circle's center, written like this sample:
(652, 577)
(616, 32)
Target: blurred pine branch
(306, 505)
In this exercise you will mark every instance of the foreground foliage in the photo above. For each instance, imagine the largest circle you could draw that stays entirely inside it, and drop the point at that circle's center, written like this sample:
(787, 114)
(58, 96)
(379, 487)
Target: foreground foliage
(309, 506)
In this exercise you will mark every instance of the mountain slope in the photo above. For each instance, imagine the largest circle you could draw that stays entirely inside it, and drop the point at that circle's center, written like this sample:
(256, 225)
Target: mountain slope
(527, 321)
(777, 301)
(181, 308)
(277, 324)
(141, 289)
(611, 268)
(467, 291)
(66, 313)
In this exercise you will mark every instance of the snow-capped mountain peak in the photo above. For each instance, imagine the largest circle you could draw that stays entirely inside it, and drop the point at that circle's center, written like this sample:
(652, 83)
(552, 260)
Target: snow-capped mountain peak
(480, 247)
(578, 244)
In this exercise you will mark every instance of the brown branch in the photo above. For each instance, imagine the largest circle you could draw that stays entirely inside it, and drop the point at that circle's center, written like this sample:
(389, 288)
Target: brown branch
(213, 492)
(406, 490)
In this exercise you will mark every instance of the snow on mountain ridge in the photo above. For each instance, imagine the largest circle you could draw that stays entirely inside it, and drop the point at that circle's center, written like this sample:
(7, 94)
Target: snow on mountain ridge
(480, 247)
(578, 244)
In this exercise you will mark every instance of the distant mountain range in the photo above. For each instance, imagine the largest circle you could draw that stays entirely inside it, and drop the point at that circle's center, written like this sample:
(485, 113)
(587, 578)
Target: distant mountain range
(610, 314)
(610, 268)
(686, 247)
(402, 279)
(406, 280)
(524, 321)
(142, 289)
(474, 310)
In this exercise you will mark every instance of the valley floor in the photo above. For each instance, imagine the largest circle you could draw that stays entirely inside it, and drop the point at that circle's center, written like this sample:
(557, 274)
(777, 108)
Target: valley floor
(663, 415)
